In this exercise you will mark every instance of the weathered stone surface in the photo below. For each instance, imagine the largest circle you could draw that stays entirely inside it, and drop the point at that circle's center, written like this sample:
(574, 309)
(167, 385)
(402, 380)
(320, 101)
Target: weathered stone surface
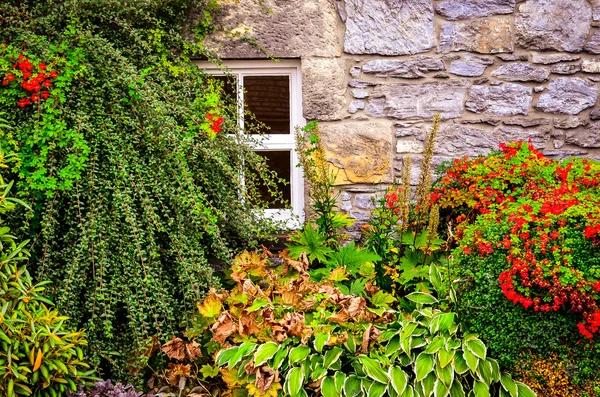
(355, 71)
(486, 36)
(364, 201)
(595, 79)
(441, 76)
(459, 140)
(585, 137)
(521, 72)
(355, 106)
(345, 196)
(570, 122)
(466, 69)
(505, 100)
(591, 66)
(292, 30)
(478, 59)
(487, 120)
(526, 122)
(565, 68)
(450, 57)
(409, 146)
(539, 88)
(361, 216)
(595, 114)
(568, 95)
(346, 206)
(513, 57)
(361, 151)
(323, 88)
(466, 9)
(563, 154)
(389, 27)
(407, 132)
(482, 80)
(361, 84)
(402, 101)
(593, 44)
(409, 69)
(548, 59)
(561, 25)
(359, 94)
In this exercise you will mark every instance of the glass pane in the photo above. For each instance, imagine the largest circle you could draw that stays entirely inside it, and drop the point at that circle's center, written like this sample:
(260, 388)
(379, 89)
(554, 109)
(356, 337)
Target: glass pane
(229, 86)
(278, 161)
(268, 98)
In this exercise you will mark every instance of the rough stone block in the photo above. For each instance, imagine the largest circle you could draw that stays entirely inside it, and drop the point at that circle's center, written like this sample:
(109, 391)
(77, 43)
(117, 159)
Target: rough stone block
(486, 36)
(361, 151)
(568, 95)
(467, 9)
(409, 69)
(466, 69)
(403, 101)
(548, 59)
(561, 25)
(593, 44)
(323, 88)
(588, 136)
(505, 100)
(521, 72)
(389, 27)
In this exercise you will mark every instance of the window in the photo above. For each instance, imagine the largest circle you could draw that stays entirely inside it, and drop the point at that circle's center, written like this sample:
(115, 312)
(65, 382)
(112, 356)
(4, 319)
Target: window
(272, 92)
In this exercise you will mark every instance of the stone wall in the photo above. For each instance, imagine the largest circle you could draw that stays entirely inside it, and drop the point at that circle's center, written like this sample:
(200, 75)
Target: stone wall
(376, 71)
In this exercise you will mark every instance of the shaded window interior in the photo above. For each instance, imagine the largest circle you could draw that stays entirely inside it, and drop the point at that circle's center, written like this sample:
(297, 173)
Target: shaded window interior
(280, 162)
(268, 98)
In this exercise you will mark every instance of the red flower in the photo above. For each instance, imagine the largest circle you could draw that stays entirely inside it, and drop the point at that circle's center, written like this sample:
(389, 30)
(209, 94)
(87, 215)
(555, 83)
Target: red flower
(53, 74)
(42, 66)
(209, 116)
(24, 102)
(45, 95)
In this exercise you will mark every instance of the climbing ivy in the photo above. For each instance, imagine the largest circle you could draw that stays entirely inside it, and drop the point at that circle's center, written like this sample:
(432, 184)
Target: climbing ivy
(130, 159)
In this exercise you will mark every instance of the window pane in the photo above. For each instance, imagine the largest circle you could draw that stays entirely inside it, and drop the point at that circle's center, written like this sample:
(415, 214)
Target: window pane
(268, 98)
(278, 161)
(229, 86)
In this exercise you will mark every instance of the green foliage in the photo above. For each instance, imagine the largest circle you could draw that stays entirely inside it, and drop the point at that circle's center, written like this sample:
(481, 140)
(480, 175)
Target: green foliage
(39, 355)
(324, 343)
(527, 252)
(134, 187)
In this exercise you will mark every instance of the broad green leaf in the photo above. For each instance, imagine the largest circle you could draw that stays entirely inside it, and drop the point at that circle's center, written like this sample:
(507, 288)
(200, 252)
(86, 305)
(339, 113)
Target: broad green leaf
(440, 389)
(298, 354)
(436, 344)
(408, 330)
(509, 385)
(398, 378)
(524, 390)
(423, 365)
(340, 379)
(456, 390)
(446, 374)
(352, 386)
(421, 297)
(245, 349)
(408, 392)
(428, 384)
(476, 347)
(318, 372)
(460, 364)
(495, 370)
(281, 354)
(481, 389)
(265, 352)
(257, 304)
(445, 356)
(484, 371)
(332, 356)
(446, 321)
(350, 344)
(328, 387)
(295, 381)
(320, 340)
(435, 277)
(376, 390)
(373, 369)
(225, 355)
(471, 359)
(392, 346)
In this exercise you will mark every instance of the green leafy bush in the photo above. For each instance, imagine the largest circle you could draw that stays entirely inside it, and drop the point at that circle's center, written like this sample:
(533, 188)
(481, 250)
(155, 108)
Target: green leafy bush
(528, 251)
(128, 161)
(39, 355)
(292, 336)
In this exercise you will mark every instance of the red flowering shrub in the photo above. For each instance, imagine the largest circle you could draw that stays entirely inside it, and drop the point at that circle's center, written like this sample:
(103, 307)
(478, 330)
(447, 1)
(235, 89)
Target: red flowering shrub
(35, 83)
(542, 217)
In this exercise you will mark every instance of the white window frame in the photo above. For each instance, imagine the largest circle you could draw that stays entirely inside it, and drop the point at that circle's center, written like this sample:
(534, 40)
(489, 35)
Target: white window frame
(294, 217)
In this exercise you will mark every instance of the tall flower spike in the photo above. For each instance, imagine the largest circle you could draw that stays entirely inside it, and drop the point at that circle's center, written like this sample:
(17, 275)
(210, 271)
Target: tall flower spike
(404, 199)
(424, 186)
(432, 226)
